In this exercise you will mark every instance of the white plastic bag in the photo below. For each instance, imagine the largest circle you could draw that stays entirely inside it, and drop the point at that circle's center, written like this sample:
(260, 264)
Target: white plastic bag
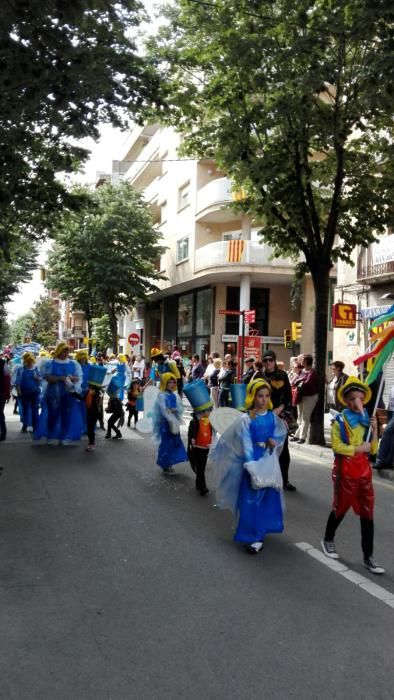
(265, 472)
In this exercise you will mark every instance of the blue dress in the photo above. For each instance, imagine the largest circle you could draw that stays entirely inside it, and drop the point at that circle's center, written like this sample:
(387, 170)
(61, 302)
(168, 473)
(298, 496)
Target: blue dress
(60, 416)
(256, 511)
(83, 392)
(171, 448)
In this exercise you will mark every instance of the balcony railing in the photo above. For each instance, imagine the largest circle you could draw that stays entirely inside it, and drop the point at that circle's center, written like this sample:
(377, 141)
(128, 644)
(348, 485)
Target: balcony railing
(230, 253)
(365, 272)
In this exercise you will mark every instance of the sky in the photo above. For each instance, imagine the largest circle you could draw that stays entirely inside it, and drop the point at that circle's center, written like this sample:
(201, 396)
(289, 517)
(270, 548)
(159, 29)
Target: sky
(108, 148)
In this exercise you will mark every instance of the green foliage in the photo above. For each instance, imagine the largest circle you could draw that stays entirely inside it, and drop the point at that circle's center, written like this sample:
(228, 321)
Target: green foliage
(45, 316)
(65, 67)
(294, 100)
(102, 332)
(21, 328)
(106, 254)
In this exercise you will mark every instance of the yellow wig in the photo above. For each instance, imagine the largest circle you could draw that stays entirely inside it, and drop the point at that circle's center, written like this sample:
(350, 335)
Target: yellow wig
(28, 357)
(82, 354)
(251, 391)
(164, 379)
(60, 347)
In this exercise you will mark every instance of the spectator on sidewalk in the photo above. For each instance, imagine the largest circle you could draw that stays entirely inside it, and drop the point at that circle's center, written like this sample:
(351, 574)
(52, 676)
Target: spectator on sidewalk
(226, 379)
(307, 383)
(214, 381)
(197, 371)
(338, 379)
(385, 458)
(248, 374)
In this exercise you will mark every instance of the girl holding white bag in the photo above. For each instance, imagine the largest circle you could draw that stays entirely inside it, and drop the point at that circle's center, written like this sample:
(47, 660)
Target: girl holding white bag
(247, 471)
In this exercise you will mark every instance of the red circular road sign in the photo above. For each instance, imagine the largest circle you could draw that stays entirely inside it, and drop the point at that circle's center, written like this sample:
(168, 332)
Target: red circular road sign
(133, 339)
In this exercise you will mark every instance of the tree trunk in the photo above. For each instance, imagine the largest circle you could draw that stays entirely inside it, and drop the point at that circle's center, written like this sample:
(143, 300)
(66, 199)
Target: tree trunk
(90, 333)
(321, 285)
(113, 322)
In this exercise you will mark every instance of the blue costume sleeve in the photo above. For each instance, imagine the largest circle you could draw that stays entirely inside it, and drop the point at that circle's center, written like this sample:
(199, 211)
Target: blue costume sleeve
(227, 459)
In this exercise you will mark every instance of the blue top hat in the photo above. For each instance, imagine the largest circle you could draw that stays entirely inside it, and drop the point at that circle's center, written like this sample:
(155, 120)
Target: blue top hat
(115, 387)
(96, 374)
(198, 395)
(238, 396)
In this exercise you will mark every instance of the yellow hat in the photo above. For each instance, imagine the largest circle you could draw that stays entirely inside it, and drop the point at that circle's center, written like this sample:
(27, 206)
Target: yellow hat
(81, 354)
(60, 347)
(28, 357)
(354, 384)
(122, 359)
(164, 379)
(92, 360)
(156, 352)
(251, 391)
(43, 353)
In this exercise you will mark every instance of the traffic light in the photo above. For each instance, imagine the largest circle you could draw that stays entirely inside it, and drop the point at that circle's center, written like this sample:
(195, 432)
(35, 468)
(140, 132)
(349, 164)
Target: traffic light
(287, 338)
(296, 331)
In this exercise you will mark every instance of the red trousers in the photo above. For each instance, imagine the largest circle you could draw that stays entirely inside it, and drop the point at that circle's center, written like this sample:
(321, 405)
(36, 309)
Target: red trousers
(352, 477)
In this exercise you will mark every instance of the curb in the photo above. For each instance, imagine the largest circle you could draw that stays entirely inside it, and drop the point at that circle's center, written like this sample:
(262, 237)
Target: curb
(326, 454)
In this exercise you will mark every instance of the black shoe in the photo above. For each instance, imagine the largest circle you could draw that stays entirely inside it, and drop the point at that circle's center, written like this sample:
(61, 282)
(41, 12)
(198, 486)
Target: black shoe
(289, 487)
(254, 548)
(293, 438)
(107, 437)
(117, 436)
(204, 491)
(24, 429)
(300, 442)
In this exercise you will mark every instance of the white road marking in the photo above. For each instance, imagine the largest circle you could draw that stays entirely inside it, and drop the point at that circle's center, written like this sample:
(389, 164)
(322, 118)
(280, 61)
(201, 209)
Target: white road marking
(362, 581)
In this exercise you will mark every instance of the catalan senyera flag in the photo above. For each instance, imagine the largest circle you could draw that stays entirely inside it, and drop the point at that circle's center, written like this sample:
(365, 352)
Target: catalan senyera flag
(234, 251)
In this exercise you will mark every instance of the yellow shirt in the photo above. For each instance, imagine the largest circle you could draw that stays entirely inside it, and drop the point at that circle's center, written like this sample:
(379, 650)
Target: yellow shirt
(356, 438)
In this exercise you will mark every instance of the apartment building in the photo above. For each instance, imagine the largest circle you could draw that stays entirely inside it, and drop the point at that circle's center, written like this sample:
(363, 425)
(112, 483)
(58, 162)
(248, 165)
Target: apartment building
(214, 260)
(369, 284)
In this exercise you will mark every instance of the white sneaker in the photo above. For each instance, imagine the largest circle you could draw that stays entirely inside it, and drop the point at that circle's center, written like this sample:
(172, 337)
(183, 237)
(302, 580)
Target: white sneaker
(66, 443)
(371, 564)
(52, 441)
(329, 548)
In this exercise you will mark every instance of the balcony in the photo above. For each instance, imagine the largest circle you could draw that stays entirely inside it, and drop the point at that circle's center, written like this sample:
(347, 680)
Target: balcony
(241, 253)
(213, 201)
(147, 165)
(375, 264)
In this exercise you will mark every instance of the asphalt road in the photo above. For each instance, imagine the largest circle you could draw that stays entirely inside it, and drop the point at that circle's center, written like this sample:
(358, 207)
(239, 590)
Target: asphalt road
(118, 583)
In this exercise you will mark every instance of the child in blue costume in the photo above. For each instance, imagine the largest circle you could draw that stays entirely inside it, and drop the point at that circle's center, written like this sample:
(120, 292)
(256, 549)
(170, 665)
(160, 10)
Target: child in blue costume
(27, 382)
(60, 418)
(252, 443)
(82, 357)
(167, 412)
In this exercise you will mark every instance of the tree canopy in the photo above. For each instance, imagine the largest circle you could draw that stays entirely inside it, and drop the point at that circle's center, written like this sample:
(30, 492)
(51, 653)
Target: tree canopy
(294, 100)
(66, 66)
(107, 253)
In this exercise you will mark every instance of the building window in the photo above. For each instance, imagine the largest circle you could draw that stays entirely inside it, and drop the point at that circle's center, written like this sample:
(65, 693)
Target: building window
(163, 212)
(185, 315)
(182, 249)
(184, 196)
(203, 312)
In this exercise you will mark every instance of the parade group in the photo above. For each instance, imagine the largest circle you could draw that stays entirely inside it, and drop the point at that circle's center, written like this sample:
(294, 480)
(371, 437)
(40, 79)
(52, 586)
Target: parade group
(242, 427)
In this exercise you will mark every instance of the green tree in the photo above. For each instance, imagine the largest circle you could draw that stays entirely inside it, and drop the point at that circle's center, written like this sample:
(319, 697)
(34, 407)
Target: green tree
(110, 250)
(294, 100)
(65, 67)
(21, 328)
(45, 316)
(102, 332)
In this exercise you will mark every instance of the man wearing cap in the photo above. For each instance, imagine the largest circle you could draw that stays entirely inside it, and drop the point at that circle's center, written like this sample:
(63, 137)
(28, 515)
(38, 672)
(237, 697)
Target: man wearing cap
(162, 366)
(247, 376)
(281, 401)
(5, 393)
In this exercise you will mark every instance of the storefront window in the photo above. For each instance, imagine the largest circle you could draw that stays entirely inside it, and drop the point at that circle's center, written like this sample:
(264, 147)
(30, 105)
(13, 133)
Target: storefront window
(203, 312)
(185, 315)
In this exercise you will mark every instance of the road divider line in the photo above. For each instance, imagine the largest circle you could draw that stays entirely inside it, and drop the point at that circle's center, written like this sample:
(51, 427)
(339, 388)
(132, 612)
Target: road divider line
(362, 582)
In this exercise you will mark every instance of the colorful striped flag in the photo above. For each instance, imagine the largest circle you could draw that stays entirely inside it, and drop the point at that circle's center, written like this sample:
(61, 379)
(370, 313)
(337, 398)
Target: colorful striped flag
(234, 251)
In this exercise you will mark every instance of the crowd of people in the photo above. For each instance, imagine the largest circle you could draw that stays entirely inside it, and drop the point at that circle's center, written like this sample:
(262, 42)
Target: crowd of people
(61, 397)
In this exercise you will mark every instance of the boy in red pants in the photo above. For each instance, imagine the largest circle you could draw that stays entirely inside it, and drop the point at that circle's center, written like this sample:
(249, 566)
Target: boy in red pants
(352, 473)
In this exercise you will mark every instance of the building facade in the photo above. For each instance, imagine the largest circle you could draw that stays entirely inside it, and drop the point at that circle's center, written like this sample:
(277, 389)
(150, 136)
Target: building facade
(214, 260)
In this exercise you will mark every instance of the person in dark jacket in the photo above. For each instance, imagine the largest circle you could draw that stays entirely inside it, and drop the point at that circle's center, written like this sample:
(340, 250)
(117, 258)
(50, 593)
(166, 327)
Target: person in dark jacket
(5, 393)
(226, 379)
(281, 401)
(94, 408)
(307, 382)
(247, 376)
(116, 409)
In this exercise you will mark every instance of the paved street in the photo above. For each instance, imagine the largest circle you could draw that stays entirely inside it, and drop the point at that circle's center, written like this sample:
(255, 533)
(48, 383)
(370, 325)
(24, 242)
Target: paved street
(118, 583)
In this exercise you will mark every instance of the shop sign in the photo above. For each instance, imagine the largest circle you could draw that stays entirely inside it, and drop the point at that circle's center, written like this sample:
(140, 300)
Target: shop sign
(226, 338)
(344, 315)
(383, 250)
(252, 347)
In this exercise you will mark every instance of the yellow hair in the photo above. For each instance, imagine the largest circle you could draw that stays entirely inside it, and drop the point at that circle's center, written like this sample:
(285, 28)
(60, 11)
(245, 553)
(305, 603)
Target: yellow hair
(122, 359)
(81, 354)
(28, 357)
(60, 347)
(252, 389)
(164, 379)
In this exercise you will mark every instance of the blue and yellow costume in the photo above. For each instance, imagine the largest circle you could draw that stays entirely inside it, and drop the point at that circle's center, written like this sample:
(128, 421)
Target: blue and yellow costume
(167, 412)
(60, 417)
(258, 511)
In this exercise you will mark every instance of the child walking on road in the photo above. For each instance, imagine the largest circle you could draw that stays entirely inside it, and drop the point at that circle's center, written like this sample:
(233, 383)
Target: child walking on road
(352, 472)
(115, 408)
(94, 403)
(167, 412)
